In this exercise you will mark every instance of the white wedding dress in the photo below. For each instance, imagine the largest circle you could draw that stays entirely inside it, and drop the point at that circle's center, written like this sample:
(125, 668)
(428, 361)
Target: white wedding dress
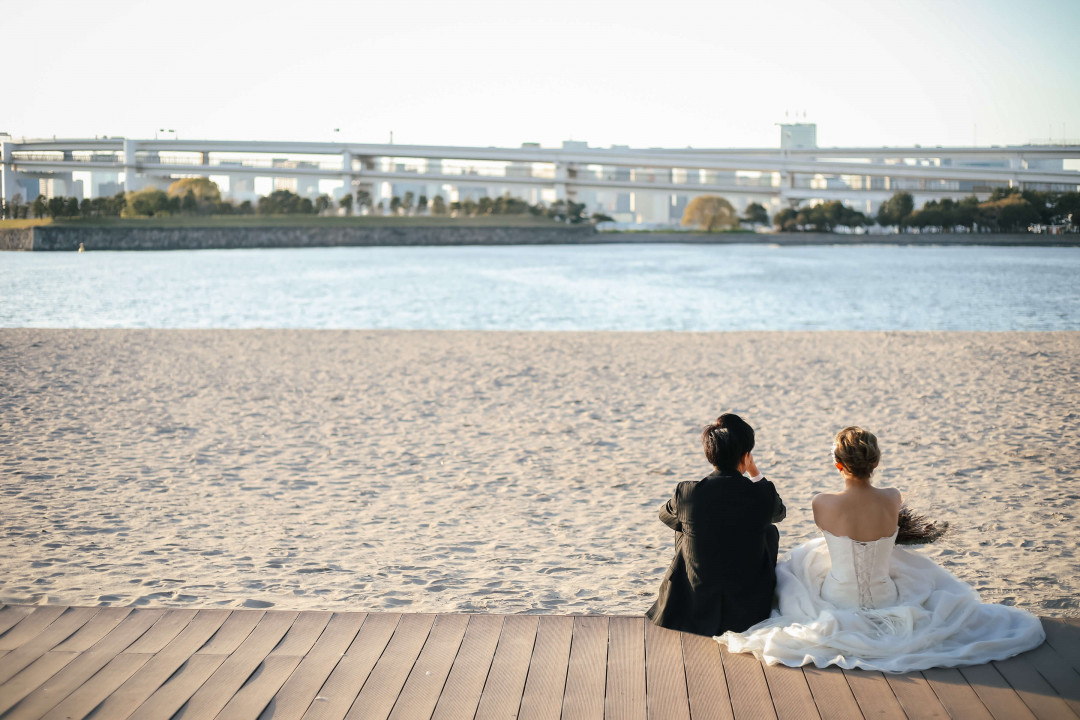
(875, 606)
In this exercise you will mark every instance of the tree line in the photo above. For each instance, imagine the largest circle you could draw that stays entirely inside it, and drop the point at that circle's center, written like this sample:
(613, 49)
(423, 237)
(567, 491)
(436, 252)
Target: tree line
(201, 196)
(1007, 210)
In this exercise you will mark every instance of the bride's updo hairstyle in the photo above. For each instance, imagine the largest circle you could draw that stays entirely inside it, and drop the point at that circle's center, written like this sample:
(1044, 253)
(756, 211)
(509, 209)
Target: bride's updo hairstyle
(726, 441)
(857, 450)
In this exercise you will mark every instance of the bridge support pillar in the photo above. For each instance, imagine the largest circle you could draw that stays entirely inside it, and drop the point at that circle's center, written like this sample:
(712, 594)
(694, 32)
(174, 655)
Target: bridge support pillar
(346, 172)
(7, 174)
(131, 175)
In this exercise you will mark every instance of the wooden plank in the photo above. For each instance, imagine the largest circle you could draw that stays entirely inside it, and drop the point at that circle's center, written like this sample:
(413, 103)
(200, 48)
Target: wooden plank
(232, 632)
(255, 695)
(916, 696)
(706, 682)
(30, 625)
(624, 696)
(421, 691)
(383, 685)
(665, 674)
(874, 694)
(48, 638)
(1057, 671)
(791, 695)
(959, 699)
(147, 679)
(32, 677)
(1064, 638)
(1033, 689)
(461, 693)
(832, 694)
(231, 675)
(587, 670)
(163, 632)
(747, 686)
(501, 697)
(11, 615)
(98, 627)
(543, 695)
(348, 677)
(304, 632)
(295, 696)
(250, 700)
(996, 694)
(171, 696)
(91, 693)
(85, 664)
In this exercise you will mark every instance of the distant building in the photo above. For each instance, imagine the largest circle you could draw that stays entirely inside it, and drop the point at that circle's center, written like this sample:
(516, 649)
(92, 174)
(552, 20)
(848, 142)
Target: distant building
(798, 136)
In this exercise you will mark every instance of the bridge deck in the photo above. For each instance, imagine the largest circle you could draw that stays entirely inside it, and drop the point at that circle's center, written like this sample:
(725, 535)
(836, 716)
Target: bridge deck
(74, 662)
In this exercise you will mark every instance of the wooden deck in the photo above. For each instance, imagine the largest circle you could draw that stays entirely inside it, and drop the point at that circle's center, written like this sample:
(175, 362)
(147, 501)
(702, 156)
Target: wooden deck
(105, 663)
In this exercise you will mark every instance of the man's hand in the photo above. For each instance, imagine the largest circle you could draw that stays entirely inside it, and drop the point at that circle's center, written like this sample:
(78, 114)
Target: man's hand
(751, 466)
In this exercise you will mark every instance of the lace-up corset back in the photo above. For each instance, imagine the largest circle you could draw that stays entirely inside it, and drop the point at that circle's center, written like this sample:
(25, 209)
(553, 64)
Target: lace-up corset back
(859, 576)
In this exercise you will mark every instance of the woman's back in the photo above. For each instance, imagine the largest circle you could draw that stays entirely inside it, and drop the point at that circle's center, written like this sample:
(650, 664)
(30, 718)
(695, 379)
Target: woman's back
(863, 514)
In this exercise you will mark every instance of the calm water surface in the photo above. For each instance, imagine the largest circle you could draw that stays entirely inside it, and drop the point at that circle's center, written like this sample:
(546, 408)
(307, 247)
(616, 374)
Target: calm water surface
(582, 287)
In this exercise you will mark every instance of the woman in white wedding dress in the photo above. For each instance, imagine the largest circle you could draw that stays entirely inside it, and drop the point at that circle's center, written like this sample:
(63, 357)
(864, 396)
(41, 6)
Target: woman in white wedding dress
(853, 599)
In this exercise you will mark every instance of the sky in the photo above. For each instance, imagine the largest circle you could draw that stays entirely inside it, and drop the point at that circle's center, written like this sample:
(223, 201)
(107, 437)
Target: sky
(676, 73)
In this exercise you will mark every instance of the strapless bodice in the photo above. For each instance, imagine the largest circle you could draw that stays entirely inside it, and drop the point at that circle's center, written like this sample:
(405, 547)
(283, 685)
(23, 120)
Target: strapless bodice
(859, 576)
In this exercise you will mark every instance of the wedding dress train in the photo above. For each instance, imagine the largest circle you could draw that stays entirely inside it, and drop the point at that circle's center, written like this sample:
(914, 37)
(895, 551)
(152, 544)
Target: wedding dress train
(875, 606)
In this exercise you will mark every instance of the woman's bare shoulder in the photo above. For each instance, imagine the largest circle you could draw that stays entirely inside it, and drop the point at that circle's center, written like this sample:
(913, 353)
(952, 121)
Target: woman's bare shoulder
(893, 493)
(822, 500)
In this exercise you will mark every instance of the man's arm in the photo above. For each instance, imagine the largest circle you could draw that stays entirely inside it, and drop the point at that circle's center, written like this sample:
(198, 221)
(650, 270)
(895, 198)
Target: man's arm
(779, 511)
(669, 512)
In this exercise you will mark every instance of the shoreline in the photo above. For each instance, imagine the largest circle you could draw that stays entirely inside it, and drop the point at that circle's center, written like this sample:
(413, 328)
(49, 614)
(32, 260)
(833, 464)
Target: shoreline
(520, 472)
(69, 238)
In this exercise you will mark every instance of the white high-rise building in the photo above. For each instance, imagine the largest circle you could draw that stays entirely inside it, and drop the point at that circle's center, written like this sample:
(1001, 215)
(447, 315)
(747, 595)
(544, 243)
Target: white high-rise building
(798, 136)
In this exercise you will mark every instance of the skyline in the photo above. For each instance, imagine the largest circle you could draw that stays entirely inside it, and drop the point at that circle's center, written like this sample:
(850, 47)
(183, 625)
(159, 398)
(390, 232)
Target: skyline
(479, 73)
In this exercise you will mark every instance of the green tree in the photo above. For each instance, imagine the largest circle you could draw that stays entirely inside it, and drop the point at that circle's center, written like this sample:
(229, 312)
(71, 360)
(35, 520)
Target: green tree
(115, 206)
(395, 205)
(895, 210)
(485, 206)
(323, 203)
(756, 214)
(189, 204)
(1066, 208)
(146, 203)
(468, 207)
(710, 213)
(1010, 212)
(407, 202)
(438, 205)
(786, 219)
(55, 207)
(363, 200)
(40, 206)
(346, 203)
(280, 202)
(422, 204)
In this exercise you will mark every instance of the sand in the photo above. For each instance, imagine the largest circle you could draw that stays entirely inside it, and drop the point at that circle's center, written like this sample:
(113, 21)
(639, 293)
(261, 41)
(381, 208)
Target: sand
(502, 472)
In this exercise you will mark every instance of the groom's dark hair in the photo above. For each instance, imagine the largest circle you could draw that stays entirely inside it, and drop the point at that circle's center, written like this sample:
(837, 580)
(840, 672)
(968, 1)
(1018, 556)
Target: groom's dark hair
(727, 440)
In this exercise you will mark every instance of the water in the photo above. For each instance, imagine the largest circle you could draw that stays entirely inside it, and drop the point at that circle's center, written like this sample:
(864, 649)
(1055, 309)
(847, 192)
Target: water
(582, 287)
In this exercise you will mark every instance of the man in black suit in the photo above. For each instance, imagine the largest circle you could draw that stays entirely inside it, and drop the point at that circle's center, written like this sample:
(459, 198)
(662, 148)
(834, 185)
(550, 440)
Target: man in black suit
(723, 574)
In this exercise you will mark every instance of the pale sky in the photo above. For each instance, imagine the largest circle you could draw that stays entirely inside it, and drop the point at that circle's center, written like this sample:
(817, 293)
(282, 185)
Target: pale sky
(477, 72)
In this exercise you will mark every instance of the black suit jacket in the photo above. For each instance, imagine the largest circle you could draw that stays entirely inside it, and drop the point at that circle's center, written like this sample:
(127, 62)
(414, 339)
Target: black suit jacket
(723, 574)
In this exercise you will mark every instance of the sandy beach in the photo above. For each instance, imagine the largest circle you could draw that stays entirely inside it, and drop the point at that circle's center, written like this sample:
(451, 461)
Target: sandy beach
(500, 471)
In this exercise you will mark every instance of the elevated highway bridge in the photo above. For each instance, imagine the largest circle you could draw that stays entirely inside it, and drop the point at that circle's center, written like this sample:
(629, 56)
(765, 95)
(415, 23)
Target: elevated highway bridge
(859, 176)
